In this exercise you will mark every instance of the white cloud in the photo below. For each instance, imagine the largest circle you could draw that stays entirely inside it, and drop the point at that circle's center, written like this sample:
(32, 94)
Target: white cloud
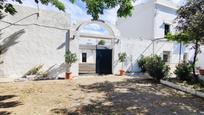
(94, 28)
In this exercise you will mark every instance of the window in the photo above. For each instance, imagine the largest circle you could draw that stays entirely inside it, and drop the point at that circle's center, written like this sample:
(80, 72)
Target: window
(166, 29)
(185, 57)
(166, 56)
(84, 57)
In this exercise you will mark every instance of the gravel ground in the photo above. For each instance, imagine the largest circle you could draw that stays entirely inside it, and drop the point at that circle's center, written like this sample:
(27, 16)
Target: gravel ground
(96, 95)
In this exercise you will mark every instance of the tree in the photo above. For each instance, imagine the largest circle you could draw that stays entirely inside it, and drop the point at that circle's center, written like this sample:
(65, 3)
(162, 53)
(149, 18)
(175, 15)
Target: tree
(95, 7)
(190, 26)
(8, 7)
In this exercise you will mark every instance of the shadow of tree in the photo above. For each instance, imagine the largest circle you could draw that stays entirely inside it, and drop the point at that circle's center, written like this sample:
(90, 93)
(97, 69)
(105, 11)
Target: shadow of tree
(5, 97)
(6, 103)
(137, 97)
(5, 113)
(9, 104)
(10, 40)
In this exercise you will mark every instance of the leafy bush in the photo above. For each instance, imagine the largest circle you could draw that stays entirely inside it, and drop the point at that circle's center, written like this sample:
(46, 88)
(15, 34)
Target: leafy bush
(156, 67)
(141, 63)
(35, 70)
(122, 57)
(101, 42)
(70, 57)
(184, 71)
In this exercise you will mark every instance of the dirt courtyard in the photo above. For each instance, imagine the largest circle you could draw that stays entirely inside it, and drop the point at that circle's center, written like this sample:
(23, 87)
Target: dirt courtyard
(108, 95)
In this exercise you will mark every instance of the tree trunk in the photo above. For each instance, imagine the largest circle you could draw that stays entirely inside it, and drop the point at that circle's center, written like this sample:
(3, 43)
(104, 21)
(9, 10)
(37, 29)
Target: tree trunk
(194, 60)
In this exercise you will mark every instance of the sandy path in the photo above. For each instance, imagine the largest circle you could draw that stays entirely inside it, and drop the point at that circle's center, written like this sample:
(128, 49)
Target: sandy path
(95, 95)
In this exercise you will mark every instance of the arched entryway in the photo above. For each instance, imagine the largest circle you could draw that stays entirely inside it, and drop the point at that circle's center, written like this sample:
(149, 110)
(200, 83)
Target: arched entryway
(72, 43)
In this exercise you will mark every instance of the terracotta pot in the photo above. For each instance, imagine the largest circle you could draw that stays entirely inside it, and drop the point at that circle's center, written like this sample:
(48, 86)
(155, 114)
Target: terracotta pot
(201, 71)
(68, 75)
(122, 72)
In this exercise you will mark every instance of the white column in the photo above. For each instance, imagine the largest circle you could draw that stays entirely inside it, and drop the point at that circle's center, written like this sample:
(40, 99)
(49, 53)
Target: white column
(73, 46)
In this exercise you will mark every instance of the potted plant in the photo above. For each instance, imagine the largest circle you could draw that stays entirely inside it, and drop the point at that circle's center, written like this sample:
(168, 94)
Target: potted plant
(70, 58)
(201, 70)
(122, 57)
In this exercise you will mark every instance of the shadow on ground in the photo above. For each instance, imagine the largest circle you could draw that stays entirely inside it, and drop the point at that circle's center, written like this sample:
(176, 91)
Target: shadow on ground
(6, 103)
(136, 97)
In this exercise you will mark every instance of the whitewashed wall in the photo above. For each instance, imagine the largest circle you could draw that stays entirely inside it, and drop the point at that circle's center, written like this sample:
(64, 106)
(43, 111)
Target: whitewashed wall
(38, 45)
(140, 24)
(91, 55)
(136, 47)
(201, 58)
(146, 24)
(163, 15)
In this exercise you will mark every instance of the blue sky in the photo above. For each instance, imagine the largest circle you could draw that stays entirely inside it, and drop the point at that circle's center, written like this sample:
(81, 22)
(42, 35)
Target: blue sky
(78, 12)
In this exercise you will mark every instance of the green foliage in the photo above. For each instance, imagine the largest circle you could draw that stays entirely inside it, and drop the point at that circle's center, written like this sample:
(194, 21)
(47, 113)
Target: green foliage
(101, 42)
(156, 67)
(122, 57)
(43, 74)
(179, 37)
(184, 71)
(191, 18)
(35, 70)
(190, 21)
(8, 8)
(70, 58)
(95, 7)
(141, 63)
(38, 72)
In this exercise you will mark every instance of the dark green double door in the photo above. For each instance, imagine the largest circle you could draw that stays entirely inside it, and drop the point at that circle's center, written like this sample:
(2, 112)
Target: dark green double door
(104, 61)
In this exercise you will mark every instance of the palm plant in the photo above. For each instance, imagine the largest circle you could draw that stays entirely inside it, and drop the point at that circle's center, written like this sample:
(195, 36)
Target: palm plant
(122, 58)
(70, 58)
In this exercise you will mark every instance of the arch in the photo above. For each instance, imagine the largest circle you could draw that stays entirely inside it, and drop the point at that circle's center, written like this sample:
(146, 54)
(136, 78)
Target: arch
(113, 31)
(73, 35)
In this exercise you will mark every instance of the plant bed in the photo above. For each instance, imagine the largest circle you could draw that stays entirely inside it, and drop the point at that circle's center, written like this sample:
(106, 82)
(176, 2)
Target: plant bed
(194, 89)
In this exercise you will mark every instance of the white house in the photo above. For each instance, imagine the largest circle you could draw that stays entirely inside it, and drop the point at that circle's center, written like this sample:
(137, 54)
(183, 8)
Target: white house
(143, 33)
(42, 37)
(32, 38)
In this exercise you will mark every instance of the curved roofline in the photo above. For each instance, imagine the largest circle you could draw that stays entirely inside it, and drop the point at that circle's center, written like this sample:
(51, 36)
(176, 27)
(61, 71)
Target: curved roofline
(112, 30)
(167, 3)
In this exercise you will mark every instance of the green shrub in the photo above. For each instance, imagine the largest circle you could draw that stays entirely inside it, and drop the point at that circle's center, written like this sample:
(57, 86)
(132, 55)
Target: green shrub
(70, 57)
(34, 70)
(184, 71)
(156, 67)
(101, 42)
(122, 57)
(141, 63)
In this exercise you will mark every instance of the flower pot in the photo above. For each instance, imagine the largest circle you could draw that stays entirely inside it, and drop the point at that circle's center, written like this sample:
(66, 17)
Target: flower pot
(201, 71)
(122, 72)
(68, 75)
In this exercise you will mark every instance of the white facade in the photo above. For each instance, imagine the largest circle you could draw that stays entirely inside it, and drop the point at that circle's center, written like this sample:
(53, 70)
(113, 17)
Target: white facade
(142, 33)
(41, 42)
(44, 40)
(148, 19)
